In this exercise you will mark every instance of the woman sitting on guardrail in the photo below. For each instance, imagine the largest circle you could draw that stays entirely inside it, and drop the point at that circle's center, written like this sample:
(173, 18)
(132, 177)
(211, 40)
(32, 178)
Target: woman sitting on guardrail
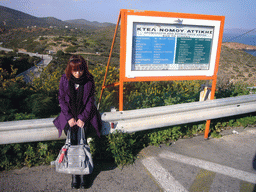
(77, 103)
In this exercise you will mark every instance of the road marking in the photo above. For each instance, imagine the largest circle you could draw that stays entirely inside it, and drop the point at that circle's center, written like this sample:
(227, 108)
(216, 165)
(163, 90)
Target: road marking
(163, 177)
(214, 167)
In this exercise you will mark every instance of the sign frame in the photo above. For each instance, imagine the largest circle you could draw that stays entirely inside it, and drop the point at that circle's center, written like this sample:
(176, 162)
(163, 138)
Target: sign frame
(130, 16)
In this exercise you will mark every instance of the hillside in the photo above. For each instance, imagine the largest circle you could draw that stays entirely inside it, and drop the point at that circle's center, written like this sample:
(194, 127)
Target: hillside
(236, 65)
(85, 22)
(10, 19)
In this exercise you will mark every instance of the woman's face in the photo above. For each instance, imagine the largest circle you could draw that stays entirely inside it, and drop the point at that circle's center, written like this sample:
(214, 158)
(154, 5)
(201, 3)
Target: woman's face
(78, 73)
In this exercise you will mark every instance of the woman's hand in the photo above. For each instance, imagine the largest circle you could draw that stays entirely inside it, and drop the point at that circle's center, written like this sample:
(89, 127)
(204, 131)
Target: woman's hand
(80, 123)
(72, 122)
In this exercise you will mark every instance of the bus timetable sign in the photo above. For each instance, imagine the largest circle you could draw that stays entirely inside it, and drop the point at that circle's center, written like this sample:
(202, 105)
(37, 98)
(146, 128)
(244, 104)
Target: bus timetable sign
(167, 47)
(162, 46)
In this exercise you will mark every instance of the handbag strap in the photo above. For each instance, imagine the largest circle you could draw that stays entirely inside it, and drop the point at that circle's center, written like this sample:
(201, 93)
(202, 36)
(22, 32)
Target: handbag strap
(68, 140)
(82, 136)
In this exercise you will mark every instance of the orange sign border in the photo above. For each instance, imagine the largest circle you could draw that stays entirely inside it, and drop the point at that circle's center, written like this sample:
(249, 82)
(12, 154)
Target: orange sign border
(125, 12)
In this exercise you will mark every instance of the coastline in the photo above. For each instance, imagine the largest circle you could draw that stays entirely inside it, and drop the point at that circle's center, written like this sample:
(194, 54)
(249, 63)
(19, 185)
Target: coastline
(239, 46)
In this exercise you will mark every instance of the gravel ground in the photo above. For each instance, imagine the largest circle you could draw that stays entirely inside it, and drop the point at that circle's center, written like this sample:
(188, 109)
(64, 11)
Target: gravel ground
(106, 177)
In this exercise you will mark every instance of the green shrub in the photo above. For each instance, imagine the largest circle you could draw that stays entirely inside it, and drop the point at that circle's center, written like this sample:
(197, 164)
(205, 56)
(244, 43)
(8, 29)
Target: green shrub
(232, 90)
(23, 116)
(121, 147)
(71, 49)
(42, 105)
(28, 154)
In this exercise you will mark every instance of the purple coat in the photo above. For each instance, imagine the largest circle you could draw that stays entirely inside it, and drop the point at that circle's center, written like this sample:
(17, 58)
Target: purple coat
(90, 113)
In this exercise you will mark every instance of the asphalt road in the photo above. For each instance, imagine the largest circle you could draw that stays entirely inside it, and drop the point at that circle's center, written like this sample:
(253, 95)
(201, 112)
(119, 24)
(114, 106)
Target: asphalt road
(36, 70)
(194, 164)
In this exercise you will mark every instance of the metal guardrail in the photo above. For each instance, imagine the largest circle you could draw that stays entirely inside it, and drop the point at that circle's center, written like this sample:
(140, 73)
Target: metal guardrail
(28, 131)
(157, 117)
(133, 120)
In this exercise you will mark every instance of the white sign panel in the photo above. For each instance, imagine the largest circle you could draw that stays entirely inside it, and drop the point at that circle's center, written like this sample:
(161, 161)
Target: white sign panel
(161, 46)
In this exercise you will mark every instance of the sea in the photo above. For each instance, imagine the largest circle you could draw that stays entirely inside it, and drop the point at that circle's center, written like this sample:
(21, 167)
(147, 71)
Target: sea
(245, 39)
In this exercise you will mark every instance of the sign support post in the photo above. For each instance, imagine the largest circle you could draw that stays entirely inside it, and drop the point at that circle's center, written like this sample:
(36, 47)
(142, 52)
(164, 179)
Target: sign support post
(107, 67)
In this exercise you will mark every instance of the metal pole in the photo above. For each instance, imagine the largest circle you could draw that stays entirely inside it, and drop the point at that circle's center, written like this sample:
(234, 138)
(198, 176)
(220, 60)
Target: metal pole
(110, 54)
(121, 96)
(208, 122)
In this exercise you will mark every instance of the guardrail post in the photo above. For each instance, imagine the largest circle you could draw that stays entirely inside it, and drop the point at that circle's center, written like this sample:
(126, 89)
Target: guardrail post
(208, 122)
(207, 129)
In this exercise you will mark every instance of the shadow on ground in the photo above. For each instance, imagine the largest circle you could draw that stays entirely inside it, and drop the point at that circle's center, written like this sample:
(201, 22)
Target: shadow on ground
(99, 166)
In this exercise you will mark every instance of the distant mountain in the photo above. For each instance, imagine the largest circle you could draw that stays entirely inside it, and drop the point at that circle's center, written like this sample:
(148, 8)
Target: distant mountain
(10, 18)
(85, 22)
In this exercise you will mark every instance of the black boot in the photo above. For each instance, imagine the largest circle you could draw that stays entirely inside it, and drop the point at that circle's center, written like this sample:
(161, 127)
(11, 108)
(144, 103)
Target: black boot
(74, 183)
(83, 182)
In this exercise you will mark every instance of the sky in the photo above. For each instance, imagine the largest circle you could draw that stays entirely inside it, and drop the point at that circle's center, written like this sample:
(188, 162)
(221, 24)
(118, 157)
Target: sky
(238, 13)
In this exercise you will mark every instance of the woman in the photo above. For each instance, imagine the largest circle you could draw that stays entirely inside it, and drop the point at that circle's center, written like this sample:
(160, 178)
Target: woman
(77, 103)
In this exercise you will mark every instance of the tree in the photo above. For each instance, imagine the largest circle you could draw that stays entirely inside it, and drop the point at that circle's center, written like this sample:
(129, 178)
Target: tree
(60, 53)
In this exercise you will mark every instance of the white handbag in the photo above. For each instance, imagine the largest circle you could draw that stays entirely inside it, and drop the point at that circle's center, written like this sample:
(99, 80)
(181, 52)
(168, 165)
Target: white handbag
(75, 159)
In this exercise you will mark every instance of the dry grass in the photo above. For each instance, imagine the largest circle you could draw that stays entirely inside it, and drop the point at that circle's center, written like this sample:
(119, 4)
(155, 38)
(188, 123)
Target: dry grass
(236, 65)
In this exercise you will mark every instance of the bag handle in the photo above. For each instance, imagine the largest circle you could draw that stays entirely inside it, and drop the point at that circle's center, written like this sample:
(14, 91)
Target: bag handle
(82, 136)
(68, 140)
